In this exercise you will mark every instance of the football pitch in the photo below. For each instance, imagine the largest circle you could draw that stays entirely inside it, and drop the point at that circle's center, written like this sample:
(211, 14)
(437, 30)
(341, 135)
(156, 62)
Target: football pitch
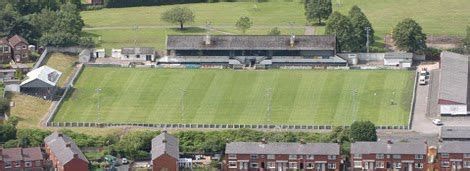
(213, 96)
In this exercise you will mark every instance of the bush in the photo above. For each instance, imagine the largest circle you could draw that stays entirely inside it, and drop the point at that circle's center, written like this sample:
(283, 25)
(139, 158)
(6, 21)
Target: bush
(432, 53)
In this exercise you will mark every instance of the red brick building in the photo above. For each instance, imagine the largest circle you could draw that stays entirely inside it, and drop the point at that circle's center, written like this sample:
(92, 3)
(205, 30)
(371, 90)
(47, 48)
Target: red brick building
(282, 156)
(165, 152)
(454, 155)
(388, 156)
(95, 2)
(64, 153)
(17, 159)
(19, 47)
(5, 50)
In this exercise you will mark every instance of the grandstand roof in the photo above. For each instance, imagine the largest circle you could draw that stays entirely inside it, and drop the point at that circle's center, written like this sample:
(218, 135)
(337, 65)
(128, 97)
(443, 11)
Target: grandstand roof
(453, 84)
(251, 42)
(41, 77)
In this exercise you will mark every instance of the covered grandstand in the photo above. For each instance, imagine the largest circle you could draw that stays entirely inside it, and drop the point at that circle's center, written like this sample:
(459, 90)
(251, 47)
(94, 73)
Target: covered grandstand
(41, 82)
(250, 51)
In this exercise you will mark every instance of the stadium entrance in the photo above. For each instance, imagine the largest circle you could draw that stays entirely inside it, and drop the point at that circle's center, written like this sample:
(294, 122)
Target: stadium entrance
(250, 61)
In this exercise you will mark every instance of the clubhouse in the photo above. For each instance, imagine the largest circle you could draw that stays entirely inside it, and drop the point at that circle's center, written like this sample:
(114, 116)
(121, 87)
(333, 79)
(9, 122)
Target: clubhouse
(252, 50)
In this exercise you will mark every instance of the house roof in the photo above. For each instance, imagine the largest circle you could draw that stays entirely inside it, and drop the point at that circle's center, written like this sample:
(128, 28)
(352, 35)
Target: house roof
(165, 144)
(16, 39)
(454, 147)
(455, 132)
(58, 142)
(4, 40)
(282, 148)
(398, 55)
(453, 84)
(46, 76)
(138, 50)
(385, 148)
(251, 42)
(25, 154)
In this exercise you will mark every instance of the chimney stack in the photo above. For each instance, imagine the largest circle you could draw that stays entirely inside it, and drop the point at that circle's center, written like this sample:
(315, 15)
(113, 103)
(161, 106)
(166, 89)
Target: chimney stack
(292, 40)
(164, 132)
(59, 134)
(302, 141)
(75, 156)
(389, 141)
(207, 40)
(68, 145)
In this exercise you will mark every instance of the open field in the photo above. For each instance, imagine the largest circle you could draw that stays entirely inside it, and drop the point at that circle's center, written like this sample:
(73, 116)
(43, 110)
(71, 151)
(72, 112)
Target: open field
(241, 97)
(436, 16)
(29, 109)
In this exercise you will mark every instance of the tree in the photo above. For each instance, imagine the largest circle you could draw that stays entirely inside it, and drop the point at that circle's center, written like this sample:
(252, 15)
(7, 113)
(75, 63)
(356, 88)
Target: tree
(45, 16)
(243, 24)
(409, 36)
(66, 29)
(341, 26)
(317, 10)
(274, 32)
(7, 132)
(178, 15)
(8, 18)
(4, 105)
(363, 131)
(360, 22)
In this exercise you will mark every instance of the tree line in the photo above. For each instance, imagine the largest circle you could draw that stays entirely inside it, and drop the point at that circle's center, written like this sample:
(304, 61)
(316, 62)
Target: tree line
(47, 27)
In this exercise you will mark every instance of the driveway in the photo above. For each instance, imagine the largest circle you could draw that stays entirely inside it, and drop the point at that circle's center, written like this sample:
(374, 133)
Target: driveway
(422, 122)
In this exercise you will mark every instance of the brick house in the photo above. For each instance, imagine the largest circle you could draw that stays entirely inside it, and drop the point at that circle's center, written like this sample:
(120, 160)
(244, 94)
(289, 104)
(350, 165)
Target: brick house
(165, 152)
(454, 155)
(64, 153)
(95, 2)
(22, 159)
(387, 155)
(5, 51)
(20, 49)
(282, 156)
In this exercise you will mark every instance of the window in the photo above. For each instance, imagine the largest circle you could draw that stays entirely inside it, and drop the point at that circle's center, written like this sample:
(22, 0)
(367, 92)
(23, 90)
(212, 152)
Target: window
(379, 156)
(127, 56)
(310, 166)
(253, 165)
(380, 164)
(270, 156)
(396, 165)
(292, 165)
(137, 56)
(331, 165)
(466, 164)
(27, 164)
(271, 165)
(232, 164)
(310, 157)
(466, 155)
(396, 156)
(445, 164)
(24, 47)
(232, 156)
(6, 49)
(331, 157)
(254, 156)
(418, 165)
(444, 155)
(292, 157)
(357, 156)
(357, 164)
(419, 156)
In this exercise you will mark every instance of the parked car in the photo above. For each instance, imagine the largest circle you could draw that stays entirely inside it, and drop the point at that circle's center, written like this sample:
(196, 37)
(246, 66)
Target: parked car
(437, 122)
(124, 161)
(422, 80)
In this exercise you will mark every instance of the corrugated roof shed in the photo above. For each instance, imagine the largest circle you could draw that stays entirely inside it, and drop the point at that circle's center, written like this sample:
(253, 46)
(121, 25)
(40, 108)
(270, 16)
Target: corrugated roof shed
(165, 144)
(250, 42)
(282, 148)
(385, 148)
(138, 50)
(63, 147)
(453, 84)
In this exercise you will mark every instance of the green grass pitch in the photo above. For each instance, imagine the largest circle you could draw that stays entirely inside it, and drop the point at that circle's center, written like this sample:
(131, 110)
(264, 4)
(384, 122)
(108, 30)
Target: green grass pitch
(314, 97)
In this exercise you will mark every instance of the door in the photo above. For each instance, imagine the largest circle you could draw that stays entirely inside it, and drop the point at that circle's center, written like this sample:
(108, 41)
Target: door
(282, 166)
(148, 57)
(320, 167)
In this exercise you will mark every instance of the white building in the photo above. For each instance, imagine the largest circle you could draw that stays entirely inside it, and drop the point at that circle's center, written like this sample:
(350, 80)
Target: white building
(138, 54)
(453, 84)
(401, 59)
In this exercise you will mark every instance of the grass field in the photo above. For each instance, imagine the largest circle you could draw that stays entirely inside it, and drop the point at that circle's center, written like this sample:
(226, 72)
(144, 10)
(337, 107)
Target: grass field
(63, 63)
(240, 97)
(115, 26)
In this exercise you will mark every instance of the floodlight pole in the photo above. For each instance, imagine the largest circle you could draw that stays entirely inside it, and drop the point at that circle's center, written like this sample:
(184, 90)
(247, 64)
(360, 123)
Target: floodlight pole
(367, 35)
(183, 93)
(98, 91)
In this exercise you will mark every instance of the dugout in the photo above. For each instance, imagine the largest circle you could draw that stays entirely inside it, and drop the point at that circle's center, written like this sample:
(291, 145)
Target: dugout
(41, 82)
